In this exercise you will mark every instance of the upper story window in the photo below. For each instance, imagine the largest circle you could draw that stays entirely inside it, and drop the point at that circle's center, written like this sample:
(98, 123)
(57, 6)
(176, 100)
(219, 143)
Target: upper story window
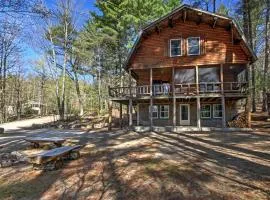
(175, 47)
(193, 46)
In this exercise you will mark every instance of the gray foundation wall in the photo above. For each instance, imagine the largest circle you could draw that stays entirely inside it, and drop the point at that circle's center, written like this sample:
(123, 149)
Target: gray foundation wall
(144, 120)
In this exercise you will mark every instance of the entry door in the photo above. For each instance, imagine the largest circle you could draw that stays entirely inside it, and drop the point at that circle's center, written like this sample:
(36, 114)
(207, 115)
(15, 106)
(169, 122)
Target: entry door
(184, 114)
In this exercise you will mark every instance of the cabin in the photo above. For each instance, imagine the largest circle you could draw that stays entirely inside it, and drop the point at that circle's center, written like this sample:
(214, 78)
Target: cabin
(187, 70)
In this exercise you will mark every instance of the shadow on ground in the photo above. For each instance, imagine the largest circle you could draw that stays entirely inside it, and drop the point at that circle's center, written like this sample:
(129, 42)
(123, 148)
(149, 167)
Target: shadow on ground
(127, 165)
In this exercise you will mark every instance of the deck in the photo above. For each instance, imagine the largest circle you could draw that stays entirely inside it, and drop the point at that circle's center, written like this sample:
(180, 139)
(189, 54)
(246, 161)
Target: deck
(213, 89)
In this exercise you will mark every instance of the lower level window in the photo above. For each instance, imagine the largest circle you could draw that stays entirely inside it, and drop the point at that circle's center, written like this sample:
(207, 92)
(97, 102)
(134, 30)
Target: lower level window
(154, 111)
(217, 111)
(206, 111)
(164, 112)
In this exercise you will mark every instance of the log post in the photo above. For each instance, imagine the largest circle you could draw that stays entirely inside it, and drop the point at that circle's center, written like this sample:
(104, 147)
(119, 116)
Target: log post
(198, 98)
(151, 98)
(222, 97)
(130, 100)
(110, 115)
(268, 103)
(197, 79)
(248, 99)
(223, 111)
(130, 112)
(174, 99)
(138, 114)
(221, 79)
(121, 115)
(199, 112)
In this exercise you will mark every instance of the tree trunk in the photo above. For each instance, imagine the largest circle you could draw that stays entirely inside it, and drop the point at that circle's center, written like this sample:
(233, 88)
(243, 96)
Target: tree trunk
(247, 26)
(63, 95)
(77, 86)
(266, 56)
(4, 79)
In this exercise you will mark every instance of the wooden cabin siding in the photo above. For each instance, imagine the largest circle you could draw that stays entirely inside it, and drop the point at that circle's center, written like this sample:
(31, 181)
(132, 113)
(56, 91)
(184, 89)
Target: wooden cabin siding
(216, 47)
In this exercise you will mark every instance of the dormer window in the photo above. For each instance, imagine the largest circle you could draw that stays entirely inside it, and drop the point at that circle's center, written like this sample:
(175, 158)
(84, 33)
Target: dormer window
(193, 46)
(175, 47)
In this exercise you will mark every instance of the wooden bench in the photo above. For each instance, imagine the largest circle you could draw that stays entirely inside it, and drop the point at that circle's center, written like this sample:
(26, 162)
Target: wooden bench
(36, 141)
(53, 159)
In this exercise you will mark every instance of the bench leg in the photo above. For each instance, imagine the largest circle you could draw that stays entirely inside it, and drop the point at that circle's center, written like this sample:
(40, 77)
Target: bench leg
(35, 145)
(52, 165)
(58, 164)
(57, 144)
(74, 155)
(37, 166)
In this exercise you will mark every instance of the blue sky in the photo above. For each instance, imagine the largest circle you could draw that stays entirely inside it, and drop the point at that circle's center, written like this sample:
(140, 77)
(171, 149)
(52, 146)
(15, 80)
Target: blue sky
(86, 6)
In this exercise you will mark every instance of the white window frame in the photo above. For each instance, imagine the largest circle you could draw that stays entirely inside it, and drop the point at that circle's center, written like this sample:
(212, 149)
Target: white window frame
(189, 54)
(164, 112)
(180, 39)
(151, 113)
(214, 110)
(204, 111)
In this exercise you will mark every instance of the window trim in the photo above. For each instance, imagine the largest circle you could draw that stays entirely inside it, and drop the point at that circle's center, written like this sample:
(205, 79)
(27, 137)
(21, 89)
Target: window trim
(199, 47)
(215, 110)
(164, 112)
(209, 111)
(175, 39)
(151, 113)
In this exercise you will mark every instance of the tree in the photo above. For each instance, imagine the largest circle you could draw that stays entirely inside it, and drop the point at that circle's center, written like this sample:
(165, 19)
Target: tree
(110, 33)
(9, 57)
(247, 25)
(266, 55)
(223, 10)
(61, 37)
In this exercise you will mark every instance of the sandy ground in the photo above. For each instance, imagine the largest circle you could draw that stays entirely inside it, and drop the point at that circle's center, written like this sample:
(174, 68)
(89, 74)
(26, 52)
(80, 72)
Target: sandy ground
(16, 125)
(124, 164)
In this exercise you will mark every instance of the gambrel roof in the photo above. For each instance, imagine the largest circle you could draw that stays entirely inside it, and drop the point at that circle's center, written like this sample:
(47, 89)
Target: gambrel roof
(186, 12)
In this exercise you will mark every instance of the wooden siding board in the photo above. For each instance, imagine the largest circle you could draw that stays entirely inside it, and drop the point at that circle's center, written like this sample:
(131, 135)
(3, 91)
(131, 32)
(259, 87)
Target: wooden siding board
(217, 49)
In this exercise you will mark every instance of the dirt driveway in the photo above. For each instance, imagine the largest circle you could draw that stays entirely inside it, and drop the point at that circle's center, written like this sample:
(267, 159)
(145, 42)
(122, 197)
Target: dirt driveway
(16, 125)
(128, 165)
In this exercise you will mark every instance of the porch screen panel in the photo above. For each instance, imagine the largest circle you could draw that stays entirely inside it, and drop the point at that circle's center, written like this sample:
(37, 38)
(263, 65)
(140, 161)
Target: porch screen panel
(184, 76)
(209, 74)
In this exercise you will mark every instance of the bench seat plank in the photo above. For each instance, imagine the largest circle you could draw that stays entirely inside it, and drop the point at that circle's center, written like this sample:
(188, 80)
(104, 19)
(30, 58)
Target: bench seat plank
(52, 154)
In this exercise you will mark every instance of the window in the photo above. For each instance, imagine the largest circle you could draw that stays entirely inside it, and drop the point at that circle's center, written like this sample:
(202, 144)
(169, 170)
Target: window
(193, 46)
(164, 112)
(154, 111)
(175, 47)
(206, 111)
(217, 111)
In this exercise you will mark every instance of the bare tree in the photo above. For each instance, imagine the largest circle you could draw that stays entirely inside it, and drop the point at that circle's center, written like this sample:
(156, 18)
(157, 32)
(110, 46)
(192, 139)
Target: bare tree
(9, 52)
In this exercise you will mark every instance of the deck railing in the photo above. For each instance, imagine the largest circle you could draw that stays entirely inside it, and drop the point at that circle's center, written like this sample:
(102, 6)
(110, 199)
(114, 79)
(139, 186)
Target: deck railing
(189, 89)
